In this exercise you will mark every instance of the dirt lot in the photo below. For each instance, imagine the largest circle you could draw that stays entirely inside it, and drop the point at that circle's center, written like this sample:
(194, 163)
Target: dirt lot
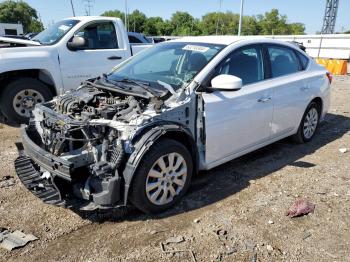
(233, 213)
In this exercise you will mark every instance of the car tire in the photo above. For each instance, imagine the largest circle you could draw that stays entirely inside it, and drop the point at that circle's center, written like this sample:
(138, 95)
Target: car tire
(308, 124)
(162, 178)
(20, 96)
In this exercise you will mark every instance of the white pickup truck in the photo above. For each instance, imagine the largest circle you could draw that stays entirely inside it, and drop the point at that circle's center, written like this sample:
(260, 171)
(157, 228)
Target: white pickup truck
(58, 59)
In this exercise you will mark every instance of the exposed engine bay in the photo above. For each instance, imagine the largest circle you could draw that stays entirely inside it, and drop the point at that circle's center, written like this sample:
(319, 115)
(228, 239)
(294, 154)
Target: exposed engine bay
(79, 143)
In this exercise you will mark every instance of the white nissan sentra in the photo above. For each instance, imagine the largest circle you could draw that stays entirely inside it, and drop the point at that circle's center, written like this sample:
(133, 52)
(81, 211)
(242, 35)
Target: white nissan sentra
(138, 134)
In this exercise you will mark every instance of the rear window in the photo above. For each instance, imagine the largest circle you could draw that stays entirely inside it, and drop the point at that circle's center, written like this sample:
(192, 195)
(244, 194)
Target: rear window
(283, 61)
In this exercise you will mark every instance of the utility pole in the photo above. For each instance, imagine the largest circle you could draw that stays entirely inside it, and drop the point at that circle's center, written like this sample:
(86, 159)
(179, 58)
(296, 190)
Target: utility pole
(240, 19)
(88, 5)
(71, 3)
(218, 18)
(126, 15)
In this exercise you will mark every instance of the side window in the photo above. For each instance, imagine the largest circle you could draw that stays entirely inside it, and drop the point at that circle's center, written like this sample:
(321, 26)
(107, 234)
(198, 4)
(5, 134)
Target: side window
(283, 61)
(134, 40)
(304, 61)
(245, 63)
(100, 35)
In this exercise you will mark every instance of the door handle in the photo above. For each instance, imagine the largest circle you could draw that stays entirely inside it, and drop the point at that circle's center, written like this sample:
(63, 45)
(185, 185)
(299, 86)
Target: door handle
(114, 58)
(264, 100)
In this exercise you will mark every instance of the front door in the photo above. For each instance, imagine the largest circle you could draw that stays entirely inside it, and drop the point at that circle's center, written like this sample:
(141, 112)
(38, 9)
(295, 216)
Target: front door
(237, 121)
(101, 54)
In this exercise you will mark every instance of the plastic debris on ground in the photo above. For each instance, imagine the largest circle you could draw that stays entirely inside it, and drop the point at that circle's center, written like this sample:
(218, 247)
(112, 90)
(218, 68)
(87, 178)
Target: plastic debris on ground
(11, 240)
(343, 150)
(300, 207)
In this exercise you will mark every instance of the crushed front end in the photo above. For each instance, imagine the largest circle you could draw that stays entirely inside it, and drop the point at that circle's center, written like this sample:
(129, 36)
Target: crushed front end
(75, 148)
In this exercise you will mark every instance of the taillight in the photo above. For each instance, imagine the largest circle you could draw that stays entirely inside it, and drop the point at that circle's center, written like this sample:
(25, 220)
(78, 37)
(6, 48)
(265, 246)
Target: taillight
(330, 77)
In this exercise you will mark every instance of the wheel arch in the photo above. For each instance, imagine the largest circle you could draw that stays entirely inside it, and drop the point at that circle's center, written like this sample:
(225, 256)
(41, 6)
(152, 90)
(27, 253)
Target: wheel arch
(39, 74)
(149, 136)
(319, 102)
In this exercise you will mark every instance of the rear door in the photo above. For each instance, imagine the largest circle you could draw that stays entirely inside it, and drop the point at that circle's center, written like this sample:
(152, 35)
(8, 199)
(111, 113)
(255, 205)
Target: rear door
(291, 89)
(104, 49)
(237, 121)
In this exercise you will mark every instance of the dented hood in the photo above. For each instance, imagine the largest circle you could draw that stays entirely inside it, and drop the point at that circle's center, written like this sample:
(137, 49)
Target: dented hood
(18, 41)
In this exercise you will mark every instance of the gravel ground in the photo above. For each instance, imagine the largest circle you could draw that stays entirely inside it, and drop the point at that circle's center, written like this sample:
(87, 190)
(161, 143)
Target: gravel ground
(235, 212)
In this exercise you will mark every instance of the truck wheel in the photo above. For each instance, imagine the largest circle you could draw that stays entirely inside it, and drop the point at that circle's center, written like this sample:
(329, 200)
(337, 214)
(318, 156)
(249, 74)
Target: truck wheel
(20, 96)
(163, 177)
(308, 125)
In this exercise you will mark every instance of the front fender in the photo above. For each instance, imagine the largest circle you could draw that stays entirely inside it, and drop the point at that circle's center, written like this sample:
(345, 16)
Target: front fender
(143, 143)
(44, 59)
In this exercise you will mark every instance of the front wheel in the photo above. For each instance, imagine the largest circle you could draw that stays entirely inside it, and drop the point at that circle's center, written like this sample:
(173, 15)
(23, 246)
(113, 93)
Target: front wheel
(20, 96)
(162, 178)
(308, 125)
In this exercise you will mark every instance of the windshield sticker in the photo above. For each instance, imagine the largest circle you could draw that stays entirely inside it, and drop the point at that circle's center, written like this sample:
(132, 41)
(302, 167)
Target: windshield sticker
(64, 27)
(196, 48)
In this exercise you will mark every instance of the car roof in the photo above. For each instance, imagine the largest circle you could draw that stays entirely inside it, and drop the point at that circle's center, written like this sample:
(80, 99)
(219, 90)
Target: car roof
(92, 18)
(228, 40)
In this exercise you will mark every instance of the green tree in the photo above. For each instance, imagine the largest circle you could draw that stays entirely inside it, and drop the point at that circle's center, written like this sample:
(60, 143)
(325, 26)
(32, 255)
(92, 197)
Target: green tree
(272, 23)
(20, 12)
(296, 29)
(210, 23)
(114, 13)
(184, 24)
(227, 24)
(153, 26)
(136, 21)
(166, 28)
(250, 26)
(221, 23)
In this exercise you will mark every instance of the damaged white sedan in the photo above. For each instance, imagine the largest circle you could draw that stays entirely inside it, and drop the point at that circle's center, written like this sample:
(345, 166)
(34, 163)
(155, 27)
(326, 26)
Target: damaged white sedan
(137, 135)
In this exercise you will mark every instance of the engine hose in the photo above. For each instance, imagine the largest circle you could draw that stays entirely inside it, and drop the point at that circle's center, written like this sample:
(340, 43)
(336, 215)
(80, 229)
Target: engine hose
(132, 105)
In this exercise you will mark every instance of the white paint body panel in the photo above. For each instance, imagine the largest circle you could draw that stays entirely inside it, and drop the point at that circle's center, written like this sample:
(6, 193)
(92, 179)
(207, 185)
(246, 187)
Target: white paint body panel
(236, 123)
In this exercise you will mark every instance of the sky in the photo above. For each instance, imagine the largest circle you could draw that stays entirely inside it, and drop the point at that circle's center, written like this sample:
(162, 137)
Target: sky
(309, 12)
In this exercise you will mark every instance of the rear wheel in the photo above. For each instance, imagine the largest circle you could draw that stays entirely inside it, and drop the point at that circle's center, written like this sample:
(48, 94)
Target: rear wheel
(163, 177)
(20, 97)
(308, 125)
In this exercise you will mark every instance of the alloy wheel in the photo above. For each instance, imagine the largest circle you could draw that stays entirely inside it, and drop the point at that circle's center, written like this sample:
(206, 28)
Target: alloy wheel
(166, 179)
(310, 123)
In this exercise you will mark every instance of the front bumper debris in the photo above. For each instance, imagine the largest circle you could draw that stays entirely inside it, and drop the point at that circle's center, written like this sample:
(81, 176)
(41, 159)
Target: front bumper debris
(48, 161)
(34, 182)
(58, 181)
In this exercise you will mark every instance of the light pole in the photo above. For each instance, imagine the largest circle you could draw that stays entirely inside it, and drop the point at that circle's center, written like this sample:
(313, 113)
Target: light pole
(240, 19)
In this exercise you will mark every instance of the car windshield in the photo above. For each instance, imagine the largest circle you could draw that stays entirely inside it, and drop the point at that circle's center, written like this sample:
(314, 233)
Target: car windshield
(171, 63)
(54, 33)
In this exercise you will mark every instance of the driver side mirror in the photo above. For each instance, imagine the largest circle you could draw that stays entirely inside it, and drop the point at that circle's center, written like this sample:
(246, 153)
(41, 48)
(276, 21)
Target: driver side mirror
(77, 43)
(226, 83)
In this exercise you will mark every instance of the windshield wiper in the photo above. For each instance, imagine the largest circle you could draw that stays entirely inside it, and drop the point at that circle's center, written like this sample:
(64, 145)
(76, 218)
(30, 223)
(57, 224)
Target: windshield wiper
(35, 40)
(144, 85)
